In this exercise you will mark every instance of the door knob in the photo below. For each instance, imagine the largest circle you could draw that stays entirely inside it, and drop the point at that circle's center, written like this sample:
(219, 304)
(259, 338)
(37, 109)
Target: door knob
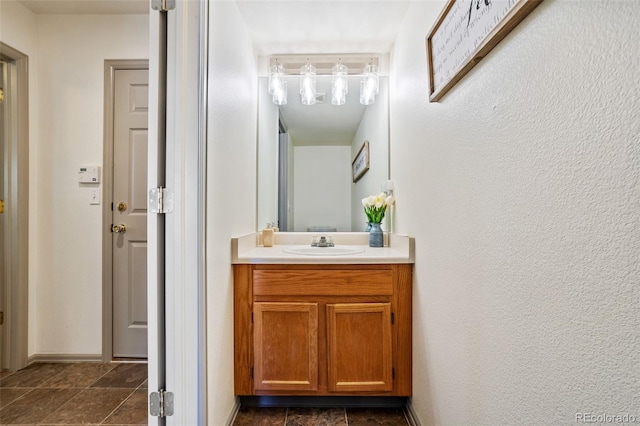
(119, 229)
(122, 206)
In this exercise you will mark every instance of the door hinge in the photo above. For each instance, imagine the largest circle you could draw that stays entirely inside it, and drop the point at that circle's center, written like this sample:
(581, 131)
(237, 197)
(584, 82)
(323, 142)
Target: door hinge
(1, 318)
(160, 200)
(161, 403)
(393, 318)
(163, 5)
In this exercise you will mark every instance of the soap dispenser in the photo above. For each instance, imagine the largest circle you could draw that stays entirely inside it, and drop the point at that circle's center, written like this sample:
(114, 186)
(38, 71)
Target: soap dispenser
(267, 235)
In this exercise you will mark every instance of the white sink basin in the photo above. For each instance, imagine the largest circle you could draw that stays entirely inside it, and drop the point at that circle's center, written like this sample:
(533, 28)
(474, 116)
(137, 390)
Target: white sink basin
(324, 251)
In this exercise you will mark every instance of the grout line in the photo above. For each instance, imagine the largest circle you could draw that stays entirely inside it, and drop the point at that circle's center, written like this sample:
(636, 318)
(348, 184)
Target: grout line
(80, 390)
(286, 414)
(113, 367)
(346, 417)
(67, 365)
(119, 405)
(18, 398)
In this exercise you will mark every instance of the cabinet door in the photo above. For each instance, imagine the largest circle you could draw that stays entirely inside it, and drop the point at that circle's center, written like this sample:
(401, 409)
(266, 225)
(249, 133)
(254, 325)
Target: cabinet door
(285, 346)
(359, 345)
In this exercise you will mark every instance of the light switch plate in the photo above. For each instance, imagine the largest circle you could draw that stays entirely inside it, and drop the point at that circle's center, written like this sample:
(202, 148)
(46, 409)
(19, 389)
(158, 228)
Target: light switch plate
(95, 196)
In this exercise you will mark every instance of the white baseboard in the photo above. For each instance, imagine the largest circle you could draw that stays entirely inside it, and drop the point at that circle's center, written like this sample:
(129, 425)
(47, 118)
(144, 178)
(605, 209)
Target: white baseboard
(234, 412)
(64, 358)
(410, 414)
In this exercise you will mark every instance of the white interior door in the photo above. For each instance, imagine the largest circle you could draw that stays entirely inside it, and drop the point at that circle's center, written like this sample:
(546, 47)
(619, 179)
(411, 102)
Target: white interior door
(129, 213)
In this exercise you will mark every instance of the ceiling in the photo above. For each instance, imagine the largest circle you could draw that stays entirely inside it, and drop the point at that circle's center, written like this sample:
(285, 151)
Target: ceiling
(322, 123)
(280, 27)
(317, 26)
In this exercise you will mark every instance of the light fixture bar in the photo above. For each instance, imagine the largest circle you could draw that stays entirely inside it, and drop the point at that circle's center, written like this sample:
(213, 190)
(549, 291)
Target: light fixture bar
(324, 64)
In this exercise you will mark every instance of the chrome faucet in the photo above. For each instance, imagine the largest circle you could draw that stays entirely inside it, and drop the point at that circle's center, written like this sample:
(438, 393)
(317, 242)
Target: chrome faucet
(322, 241)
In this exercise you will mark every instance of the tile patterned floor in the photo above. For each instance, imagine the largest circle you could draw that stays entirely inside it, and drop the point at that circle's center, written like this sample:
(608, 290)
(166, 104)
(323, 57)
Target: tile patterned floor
(116, 394)
(75, 393)
(248, 416)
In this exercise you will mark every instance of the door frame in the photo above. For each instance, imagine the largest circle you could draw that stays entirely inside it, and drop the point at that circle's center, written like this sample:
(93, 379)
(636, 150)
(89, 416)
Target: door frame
(17, 213)
(110, 68)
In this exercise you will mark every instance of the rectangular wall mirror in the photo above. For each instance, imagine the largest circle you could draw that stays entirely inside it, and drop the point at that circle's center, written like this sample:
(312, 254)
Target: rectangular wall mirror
(305, 155)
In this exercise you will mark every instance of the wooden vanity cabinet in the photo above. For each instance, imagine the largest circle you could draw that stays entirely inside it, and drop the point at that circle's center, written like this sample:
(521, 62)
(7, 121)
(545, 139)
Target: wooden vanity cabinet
(322, 329)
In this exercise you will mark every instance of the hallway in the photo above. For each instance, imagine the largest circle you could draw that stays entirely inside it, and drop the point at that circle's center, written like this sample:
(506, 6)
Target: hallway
(75, 393)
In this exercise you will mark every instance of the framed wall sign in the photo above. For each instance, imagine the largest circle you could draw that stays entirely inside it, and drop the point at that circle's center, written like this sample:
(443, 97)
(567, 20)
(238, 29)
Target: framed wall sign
(360, 164)
(464, 33)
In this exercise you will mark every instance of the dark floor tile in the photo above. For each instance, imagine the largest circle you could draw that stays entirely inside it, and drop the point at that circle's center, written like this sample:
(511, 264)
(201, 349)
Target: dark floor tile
(316, 417)
(78, 375)
(132, 412)
(376, 417)
(5, 373)
(249, 416)
(123, 376)
(35, 406)
(89, 406)
(8, 395)
(33, 375)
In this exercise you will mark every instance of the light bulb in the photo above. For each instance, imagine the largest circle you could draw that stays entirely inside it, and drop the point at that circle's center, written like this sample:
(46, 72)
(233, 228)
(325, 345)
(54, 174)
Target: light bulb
(369, 85)
(280, 95)
(339, 84)
(308, 84)
(276, 78)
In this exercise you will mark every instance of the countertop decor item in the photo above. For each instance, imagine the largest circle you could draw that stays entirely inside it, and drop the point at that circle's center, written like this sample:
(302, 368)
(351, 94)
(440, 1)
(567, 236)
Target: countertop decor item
(375, 206)
(376, 239)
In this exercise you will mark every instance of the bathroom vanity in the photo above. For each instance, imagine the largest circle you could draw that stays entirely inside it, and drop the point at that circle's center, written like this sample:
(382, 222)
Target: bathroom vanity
(325, 325)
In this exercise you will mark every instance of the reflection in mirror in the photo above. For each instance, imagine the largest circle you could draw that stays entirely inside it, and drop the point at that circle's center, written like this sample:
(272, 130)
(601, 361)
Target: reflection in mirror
(305, 155)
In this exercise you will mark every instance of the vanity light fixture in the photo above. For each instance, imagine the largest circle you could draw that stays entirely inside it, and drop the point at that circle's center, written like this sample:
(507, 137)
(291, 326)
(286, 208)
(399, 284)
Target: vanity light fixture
(277, 84)
(308, 84)
(369, 85)
(339, 84)
(309, 68)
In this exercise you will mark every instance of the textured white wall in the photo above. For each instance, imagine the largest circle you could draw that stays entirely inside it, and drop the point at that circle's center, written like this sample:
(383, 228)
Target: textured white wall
(374, 128)
(322, 187)
(231, 191)
(66, 60)
(522, 189)
(267, 157)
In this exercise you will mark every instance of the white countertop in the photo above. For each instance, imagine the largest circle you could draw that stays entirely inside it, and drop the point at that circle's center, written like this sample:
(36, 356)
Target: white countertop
(248, 249)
